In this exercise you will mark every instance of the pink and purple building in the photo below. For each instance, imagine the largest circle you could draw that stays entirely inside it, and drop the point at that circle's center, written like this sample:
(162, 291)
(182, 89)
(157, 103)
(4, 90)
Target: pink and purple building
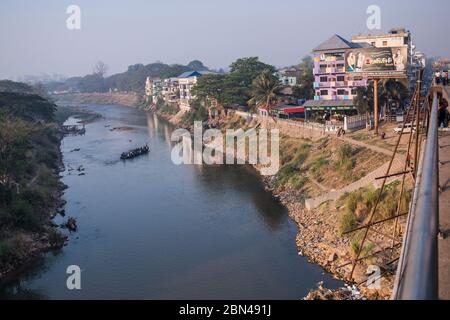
(334, 88)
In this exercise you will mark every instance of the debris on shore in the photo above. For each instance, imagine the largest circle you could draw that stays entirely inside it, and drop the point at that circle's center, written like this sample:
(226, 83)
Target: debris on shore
(345, 293)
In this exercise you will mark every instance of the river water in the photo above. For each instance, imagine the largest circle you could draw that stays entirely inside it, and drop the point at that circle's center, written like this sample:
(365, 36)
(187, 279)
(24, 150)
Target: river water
(149, 229)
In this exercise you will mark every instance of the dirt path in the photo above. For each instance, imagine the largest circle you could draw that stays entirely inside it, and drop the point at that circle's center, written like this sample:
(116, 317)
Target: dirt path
(368, 146)
(397, 166)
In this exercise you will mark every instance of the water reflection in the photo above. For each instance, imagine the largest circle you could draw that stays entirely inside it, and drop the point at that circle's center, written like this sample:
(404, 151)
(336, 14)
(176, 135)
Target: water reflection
(151, 229)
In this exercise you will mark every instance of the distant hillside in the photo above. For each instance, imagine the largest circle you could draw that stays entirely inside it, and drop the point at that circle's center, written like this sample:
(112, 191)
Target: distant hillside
(131, 80)
(16, 87)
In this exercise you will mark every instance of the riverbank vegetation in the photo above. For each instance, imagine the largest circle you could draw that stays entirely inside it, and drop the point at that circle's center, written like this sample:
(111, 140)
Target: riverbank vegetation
(30, 190)
(132, 80)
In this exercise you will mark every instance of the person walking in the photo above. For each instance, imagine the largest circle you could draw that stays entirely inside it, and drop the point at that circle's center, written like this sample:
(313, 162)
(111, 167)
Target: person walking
(443, 116)
(437, 77)
(445, 78)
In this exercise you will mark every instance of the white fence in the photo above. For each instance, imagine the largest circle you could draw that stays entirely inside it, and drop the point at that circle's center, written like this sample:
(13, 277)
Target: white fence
(356, 122)
(349, 124)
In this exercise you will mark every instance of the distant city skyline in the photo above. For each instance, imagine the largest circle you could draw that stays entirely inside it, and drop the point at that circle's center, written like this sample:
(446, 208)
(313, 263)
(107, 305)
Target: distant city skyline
(36, 40)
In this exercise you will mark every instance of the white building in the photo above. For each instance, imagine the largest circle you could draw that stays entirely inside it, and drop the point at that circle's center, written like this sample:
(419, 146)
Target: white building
(186, 81)
(153, 89)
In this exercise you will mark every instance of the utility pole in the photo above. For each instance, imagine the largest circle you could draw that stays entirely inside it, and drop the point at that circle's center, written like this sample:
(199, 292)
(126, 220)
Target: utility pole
(375, 105)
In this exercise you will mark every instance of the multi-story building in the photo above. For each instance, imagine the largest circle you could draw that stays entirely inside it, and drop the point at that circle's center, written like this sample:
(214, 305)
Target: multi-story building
(186, 81)
(397, 38)
(153, 89)
(170, 90)
(289, 76)
(334, 88)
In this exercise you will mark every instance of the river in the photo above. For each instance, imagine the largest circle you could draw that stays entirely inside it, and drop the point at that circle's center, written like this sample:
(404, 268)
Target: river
(149, 229)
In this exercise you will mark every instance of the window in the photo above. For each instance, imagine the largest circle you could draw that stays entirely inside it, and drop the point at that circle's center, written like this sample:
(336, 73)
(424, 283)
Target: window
(341, 92)
(323, 92)
(340, 78)
(354, 92)
(323, 79)
(384, 43)
(373, 43)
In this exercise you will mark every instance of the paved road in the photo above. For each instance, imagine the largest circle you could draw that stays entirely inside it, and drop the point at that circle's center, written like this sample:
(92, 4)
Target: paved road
(444, 213)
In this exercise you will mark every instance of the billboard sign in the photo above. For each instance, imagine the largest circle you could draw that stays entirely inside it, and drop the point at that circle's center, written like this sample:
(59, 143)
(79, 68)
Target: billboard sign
(377, 62)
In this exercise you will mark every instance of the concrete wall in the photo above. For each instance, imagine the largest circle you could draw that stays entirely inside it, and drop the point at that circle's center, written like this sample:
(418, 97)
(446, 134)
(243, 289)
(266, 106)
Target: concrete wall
(295, 129)
(356, 122)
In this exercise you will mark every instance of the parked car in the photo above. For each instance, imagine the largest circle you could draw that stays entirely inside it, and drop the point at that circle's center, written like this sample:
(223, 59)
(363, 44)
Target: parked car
(407, 129)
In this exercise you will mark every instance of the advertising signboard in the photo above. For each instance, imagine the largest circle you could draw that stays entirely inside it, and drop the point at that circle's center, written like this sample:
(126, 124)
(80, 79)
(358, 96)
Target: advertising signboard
(377, 62)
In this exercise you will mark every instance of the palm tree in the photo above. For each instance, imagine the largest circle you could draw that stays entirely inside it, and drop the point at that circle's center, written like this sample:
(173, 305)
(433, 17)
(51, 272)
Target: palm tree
(265, 89)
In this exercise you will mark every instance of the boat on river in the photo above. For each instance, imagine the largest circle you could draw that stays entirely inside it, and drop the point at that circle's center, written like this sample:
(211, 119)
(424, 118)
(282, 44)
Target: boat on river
(135, 153)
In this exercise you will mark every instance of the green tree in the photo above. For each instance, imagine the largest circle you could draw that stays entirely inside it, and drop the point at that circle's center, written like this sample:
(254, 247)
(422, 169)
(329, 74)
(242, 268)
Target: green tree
(197, 65)
(305, 88)
(361, 100)
(250, 66)
(30, 107)
(364, 100)
(394, 91)
(234, 87)
(14, 144)
(265, 89)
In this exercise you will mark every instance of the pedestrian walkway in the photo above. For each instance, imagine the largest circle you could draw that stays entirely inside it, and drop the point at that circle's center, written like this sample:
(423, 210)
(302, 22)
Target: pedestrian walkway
(368, 146)
(398, 165)
(444, 212)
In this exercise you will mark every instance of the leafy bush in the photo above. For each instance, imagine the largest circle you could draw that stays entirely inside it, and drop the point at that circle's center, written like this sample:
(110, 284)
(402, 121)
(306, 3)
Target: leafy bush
(345, 162)
(347, 221)
(11, 250)
(355, 244)
(198, 113)
(24, 216)
(170, 109)
(285, 174)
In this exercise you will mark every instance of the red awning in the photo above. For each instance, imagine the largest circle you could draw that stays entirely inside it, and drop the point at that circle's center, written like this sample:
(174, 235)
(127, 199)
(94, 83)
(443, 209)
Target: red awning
(294, 110)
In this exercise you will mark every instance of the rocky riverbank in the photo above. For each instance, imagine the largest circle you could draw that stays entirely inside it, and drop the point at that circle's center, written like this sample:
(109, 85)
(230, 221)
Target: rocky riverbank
(28, 229)
(318, 237)
(19, 245)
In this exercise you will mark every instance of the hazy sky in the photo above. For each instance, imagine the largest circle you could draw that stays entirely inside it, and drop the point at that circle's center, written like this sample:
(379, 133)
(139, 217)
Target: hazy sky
(35, 40)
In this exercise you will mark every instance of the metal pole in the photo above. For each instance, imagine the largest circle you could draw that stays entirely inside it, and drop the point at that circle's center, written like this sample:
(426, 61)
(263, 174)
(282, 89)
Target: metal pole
(375, 105)
(418, 275)
(416, 151)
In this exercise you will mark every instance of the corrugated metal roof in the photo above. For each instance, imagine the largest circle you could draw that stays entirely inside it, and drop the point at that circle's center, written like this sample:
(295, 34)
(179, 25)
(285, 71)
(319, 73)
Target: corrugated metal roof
(189, 74)
(336, 42)
(328, 103)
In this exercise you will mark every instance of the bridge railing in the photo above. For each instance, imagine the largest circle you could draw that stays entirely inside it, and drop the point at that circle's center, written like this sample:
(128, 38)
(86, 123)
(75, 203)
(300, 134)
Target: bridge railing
(417, 274)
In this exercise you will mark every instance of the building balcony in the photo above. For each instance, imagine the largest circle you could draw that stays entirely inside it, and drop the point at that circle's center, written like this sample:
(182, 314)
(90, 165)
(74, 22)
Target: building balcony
(322, 85)
(359, 83)
(325, 98)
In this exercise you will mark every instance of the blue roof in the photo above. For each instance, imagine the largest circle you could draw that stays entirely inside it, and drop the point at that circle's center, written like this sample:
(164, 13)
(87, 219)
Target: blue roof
(189, 74)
